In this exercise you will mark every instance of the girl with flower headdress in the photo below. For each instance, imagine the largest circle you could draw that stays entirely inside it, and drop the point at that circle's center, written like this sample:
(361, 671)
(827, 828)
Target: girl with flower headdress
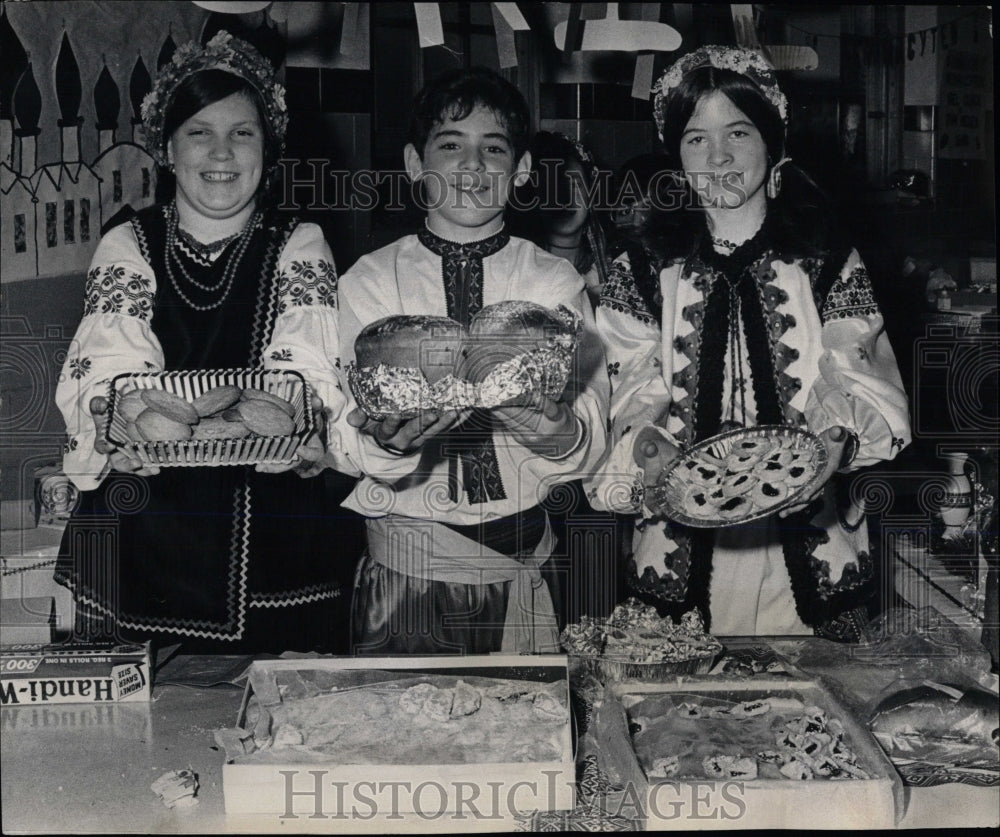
(228, 558)
(738, 305)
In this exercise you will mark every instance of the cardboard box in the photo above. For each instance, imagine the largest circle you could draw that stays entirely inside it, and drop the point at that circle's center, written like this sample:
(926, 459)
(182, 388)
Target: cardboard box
(70, 672)
(684, 802)
(392, 796)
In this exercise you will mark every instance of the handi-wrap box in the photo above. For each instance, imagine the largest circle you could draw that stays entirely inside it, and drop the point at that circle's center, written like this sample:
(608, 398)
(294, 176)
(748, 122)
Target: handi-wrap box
(718, 753)
(452, 743)
(74, 672)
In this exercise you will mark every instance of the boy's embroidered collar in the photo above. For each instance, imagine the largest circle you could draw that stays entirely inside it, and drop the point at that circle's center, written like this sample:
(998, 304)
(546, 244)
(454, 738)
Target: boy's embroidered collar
(475, 249)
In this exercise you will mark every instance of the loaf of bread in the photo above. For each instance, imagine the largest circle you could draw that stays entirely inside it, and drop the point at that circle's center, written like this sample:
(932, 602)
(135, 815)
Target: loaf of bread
(407, 363)
(944, 724)
(517, 349)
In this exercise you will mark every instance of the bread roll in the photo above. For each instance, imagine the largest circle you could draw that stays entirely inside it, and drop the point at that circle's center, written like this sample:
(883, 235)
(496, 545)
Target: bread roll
(216, 400)
(130, 404)
(170, 405)
(216, 427)
(154, 426)
(264, 418)
(252, 393)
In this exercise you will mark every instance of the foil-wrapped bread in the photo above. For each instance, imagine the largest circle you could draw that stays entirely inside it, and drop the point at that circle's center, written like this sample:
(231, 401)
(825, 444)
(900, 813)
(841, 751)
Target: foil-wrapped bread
(406, 364)
(517, 349)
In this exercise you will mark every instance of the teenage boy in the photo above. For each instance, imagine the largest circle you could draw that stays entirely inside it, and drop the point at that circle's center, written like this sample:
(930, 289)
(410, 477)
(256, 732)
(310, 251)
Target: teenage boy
(457, 540)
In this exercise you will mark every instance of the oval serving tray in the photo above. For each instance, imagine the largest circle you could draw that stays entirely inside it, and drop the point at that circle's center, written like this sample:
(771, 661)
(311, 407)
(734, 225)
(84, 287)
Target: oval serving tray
(694, 469)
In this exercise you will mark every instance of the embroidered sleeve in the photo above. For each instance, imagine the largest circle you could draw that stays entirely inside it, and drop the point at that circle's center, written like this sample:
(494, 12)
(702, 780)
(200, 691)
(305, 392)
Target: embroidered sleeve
(621, 294)
(306, 335)
(640, 397)
(307, 281)
(851, 295)
(859, 386)
(114, 336)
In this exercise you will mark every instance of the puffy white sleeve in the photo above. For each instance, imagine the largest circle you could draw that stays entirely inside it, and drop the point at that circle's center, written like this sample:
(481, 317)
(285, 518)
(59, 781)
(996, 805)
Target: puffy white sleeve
(859, 386)
(115, 336)
(306, 333)
(640, 397)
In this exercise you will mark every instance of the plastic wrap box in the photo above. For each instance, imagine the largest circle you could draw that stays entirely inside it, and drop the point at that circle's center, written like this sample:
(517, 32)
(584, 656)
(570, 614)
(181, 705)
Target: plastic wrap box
(69, 672)
(392, 797)
(683, 803)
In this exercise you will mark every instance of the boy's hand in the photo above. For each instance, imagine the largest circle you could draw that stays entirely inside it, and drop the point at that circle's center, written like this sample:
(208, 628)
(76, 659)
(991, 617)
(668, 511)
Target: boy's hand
(549, 428)
(404, 436)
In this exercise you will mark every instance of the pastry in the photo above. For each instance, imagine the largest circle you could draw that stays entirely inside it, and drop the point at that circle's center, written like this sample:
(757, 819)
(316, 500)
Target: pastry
(170, 405)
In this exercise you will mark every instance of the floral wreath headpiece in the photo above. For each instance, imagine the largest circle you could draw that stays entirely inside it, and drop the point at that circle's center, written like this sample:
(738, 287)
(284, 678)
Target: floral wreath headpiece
(223, 52)
(746, 62)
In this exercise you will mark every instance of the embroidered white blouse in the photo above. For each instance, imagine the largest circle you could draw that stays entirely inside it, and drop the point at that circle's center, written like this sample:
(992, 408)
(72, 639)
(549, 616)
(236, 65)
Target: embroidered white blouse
(118, 334)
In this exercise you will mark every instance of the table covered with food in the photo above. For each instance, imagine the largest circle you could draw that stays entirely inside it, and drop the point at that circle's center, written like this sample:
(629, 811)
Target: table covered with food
(644, 723)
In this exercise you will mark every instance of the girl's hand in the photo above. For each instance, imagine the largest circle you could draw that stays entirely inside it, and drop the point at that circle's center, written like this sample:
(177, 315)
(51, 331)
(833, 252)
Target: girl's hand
(118, 458)
(311, 455)
(834, 439)
(652, 453)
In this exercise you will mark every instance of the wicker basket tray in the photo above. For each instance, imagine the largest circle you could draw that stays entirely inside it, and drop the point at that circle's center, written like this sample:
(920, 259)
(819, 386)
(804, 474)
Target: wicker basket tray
(674, 484)
(250, 450)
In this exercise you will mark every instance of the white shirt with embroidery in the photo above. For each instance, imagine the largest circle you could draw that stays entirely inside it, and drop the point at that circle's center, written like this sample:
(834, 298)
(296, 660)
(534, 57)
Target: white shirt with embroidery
(405, 277)
(118, 335)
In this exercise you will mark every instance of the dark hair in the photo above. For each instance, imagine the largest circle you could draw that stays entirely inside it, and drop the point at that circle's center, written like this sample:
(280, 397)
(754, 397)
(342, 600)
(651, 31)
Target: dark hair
(801, 215)
(456, 93)
(546, 198)
(206, 87)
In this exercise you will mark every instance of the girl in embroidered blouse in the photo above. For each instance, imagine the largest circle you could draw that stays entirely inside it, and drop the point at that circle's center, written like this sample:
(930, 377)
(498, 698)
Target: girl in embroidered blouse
(228, 558)
(738, 306)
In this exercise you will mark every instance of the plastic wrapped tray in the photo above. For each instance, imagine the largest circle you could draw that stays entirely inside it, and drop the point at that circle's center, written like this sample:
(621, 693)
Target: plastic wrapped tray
(249, 450)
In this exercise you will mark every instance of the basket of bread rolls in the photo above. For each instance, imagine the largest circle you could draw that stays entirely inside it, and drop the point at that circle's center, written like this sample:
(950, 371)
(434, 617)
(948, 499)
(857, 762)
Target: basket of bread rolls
(209, 417)
(511, 352)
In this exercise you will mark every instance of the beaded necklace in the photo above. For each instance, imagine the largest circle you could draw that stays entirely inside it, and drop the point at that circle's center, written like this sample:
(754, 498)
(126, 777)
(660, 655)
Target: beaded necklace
(208, 249)
(225, 283)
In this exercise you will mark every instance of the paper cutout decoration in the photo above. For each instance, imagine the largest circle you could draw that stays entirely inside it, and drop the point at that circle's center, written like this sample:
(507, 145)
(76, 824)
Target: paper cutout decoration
(616, 35)
(430, 30)
(781, 56)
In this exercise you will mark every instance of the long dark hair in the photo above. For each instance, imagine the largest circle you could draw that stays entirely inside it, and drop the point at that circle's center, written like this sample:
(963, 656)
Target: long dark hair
(547, 197)
(800, 217)
(204, 88)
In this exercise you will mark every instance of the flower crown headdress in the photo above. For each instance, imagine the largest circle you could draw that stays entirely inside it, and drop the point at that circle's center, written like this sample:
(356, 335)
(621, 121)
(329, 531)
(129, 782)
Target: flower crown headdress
(746, 62)
(223, 52)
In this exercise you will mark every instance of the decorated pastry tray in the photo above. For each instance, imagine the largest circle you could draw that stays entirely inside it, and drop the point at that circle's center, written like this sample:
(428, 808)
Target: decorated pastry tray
(635, 643)
(209, 417)
(740, 476)
(782, 754)
(414, 736)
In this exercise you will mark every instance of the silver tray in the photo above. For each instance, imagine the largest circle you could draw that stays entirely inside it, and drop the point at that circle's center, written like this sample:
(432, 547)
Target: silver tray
(675, 482)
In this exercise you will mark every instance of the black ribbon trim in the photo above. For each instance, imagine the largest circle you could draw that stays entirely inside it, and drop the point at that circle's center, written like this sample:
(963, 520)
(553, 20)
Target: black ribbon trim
(471, 444)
